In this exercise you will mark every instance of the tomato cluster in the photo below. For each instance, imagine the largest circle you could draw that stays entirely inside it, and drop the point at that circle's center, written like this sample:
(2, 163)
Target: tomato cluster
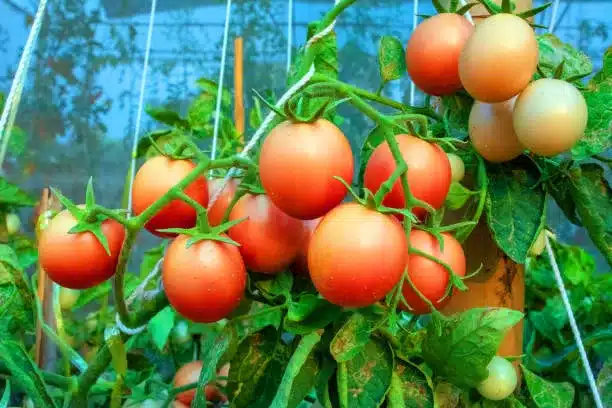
(495, 63)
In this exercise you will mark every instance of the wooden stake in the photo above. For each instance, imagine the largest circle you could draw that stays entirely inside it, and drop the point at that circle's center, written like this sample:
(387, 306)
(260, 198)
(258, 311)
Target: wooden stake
(239, 87)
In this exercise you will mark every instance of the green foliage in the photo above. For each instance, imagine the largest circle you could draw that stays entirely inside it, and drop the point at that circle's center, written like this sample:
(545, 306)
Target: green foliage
(546, 394)
(12, 195)
(410, 387)
(553, 52)
(391, 59)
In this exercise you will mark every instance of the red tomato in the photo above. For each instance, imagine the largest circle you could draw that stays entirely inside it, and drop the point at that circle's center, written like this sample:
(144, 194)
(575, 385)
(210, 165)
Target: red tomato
(356, 255)
(190, 373)
(217, 210)
(78, 261)
(429, 277)
(432, 53)
(429, 172)
(158, 175)
(301, 262)
(204, 282)
(297, 165)
(269, 239)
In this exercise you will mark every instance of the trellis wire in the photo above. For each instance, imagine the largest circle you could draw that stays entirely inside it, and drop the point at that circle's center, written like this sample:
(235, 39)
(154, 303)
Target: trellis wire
(228, 11)
(289, 33)
(272, 114)
(143, 83)
(11, 104)
(553, 16)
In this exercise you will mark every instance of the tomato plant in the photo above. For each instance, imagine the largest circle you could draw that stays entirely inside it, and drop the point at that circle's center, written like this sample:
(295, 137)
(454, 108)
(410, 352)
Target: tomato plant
(188, 374)
(217, 211)
(501, 382)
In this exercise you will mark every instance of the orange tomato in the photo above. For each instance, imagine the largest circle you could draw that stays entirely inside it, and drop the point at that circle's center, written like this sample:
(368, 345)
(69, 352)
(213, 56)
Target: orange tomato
(190, 373)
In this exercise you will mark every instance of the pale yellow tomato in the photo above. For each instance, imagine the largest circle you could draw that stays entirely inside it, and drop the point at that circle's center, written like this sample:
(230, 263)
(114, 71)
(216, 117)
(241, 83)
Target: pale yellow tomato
(457, 167)
(501, 382)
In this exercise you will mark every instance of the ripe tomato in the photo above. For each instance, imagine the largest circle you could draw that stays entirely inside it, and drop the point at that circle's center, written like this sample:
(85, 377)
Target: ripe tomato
(190, 373)
(501, 382)
(217, 210)
(269, 239)
(429, 277)
(78, 261)
(429, 172)
(356, 255)
(204, 282)
(432, 53)
(499, 59)
(492, 133)
(297, 165)
(158, 175)
(457, 167)
(301, 262)
(550, 115)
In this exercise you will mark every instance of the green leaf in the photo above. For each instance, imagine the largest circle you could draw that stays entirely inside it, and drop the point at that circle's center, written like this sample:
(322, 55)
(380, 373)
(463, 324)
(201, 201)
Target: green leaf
(145, 144)
(547, 394)
(304, 307)
(104, 289)
(17, 303)
(297, 361)
(391, 59)
(515, 207)
(211, 87)
(460, 347)
(368, 376)
(166, 116)
(457, 108)
(560, 189)
(598, 134)
(10, 194)
(447, 395)
(593, 198)
(326, 55)
(6, 395)
(150, 258)
(18, 142)
(305, 381)
(25, 373)
(213, 354)
(279, 285)
(551, 319)
(249, 366)
(160, 327)
(536, 10)
(25, 249)
(374, 138)
(90, 198)
(554, 52)
(409, 387)
(458, 196)
(604, 383)
(255, 114)
(323, 314)
(351, 338)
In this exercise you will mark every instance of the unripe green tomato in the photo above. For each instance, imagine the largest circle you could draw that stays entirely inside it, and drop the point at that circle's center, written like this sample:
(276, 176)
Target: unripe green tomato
(91, 323)
(180, 333)
(68, 297)
(539, 244)
(501, 382)
(13, 223)
(457, 167)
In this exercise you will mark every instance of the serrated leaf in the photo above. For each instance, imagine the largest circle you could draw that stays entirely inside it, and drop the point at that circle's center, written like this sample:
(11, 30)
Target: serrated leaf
(409, 387)
(297, 361)
(593, 198)
(553, 52)
(460, 347)
(598, 93)
(212, 355)
(166, 116)
(604, 383)
(547, 394)
(514, 207)
(25, 373)
(368, 376)
(324, 314)
(351, 338)
(160, 327)
(10, 194)
(551, 319)
(391, 59)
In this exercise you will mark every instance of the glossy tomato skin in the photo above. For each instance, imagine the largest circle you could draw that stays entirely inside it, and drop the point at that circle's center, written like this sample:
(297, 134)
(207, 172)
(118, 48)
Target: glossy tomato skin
(432, 53)
(300, 265)
(499, 59)
(428, 276)
(429, 172)
(204, 282)
(457, 167)
(269, 239)
(158, 175)
(356, 255)
(298, 163)
(501, 382)
(492, 132)
(190, 373)
(78, 261)
(549, 116)
(217, 210)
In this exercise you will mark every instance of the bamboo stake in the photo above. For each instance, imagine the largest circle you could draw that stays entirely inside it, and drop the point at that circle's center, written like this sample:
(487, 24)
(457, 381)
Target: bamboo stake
(239, 87)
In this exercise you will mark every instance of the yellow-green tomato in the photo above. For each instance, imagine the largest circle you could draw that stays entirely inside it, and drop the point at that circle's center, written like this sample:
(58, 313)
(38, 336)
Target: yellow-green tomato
(491, 131)
(457, 167)
(499, 59)
(539, 244)
(68, 297)
(550, 115)
(501, 382)
(180, 333)
(13, 223)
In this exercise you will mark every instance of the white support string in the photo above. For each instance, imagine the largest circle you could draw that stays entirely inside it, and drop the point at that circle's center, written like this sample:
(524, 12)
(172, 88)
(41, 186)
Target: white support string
(143, 84)
(553, 16)
(213, 152)
(573, 325)
(272, 114)
(415, 11)
(13, 98)
(289, 33)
